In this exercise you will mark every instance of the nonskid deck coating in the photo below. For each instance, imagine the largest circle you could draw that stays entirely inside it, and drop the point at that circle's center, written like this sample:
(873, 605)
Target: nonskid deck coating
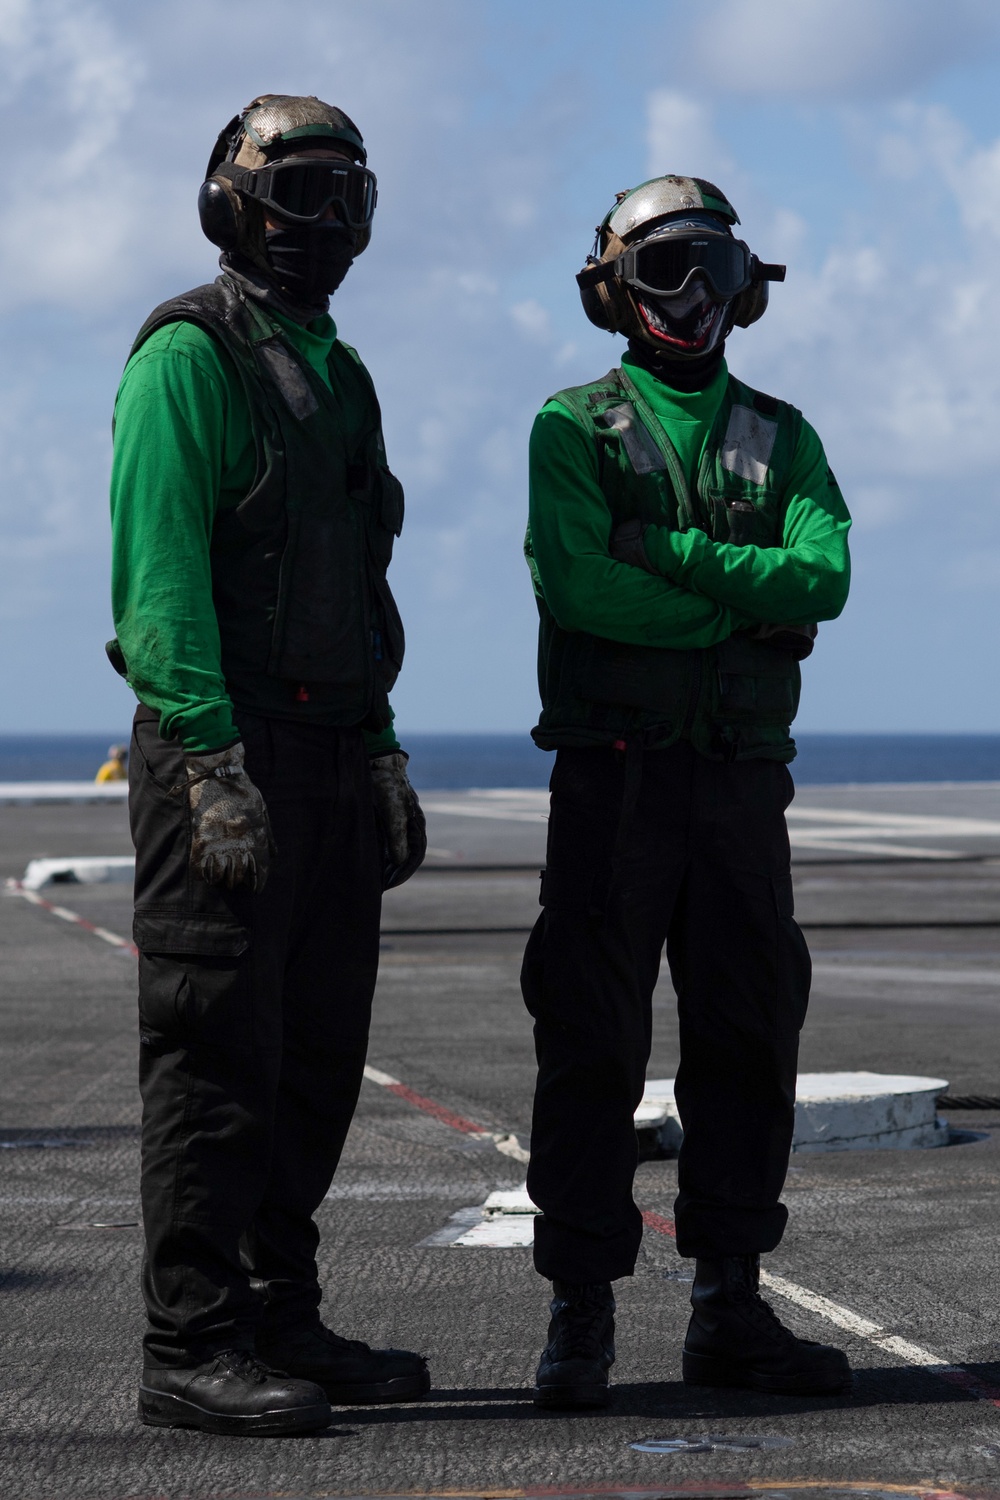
(908, 1244)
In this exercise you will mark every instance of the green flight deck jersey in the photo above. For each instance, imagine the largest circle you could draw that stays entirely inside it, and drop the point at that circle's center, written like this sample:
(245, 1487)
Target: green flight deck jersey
(188, 456)
(744, 525)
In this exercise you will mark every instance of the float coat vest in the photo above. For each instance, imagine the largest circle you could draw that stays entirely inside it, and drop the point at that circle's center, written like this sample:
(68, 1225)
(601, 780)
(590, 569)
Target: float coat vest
(736, 700)
(299, 565)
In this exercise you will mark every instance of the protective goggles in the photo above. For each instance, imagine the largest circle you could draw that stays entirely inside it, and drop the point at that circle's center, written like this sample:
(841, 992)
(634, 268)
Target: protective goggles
(664, 266)
(301, 190)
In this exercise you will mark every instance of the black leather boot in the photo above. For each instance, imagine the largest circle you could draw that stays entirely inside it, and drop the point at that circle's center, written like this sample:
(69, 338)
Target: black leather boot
(735, 1339)
(349, 1371)
(573, 1371)
(233, 1393)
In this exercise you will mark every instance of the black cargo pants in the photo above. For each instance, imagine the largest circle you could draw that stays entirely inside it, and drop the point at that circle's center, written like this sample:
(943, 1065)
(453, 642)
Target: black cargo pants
(254, 1014)
(675, 848)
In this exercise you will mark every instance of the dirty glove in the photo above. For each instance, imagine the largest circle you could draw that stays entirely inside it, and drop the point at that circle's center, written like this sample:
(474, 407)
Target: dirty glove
(231, 841)
(797, 640)
(626, 544)
(401, 823)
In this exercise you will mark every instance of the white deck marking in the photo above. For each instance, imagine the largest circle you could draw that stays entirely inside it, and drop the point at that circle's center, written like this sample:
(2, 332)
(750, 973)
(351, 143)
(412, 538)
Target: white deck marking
(898, 974)
(901, 823)
(477, 810)
(858, 846)
(846, 829)
(874, 1333)
(504, 1141)
(15, 888)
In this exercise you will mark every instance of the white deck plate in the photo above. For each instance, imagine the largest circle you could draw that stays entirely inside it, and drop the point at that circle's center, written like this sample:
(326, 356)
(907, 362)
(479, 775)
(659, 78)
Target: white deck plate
(94, 870)
(506, 1221)
(834, 1112)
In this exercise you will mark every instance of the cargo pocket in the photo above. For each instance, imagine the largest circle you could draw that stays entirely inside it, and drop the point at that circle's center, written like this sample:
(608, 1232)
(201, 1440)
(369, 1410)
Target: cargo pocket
(574, 890)
(194, 982)
(794, 966)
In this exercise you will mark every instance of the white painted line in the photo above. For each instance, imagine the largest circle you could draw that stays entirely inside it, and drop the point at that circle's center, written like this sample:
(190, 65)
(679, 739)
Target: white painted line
(478, 810)
(504, 1141)
(851, 1322)
(856, 846)
(385, 1080)
(900, 823)
(15, 888)
(508, 1145)
(12, 792)
(898, 974)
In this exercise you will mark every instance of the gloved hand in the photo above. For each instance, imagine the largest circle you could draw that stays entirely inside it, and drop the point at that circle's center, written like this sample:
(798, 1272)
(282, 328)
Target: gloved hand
(795, 639)
(231, 841)
(626, 545)
(401, 822)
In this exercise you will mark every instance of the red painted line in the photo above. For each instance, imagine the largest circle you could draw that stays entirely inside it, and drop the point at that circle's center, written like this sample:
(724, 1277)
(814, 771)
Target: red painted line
(438, 1111)
(65, 915)
(659, 1223)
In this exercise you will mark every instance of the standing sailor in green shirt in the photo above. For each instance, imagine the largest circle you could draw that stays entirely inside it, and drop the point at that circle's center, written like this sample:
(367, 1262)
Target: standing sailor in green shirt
(686, 534)
(253, 518)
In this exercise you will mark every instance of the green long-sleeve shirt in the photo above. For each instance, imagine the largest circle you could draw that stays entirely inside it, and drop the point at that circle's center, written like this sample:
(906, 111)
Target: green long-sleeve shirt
(184, 449)
(708, 589)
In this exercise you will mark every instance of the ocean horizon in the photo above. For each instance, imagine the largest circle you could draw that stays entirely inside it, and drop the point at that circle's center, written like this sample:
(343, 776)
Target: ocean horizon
(453, 762)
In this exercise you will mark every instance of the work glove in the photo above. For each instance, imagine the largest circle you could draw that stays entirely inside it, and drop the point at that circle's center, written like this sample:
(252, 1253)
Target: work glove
(231, 841)
(797, 640)
(627, 547)
(401, 822)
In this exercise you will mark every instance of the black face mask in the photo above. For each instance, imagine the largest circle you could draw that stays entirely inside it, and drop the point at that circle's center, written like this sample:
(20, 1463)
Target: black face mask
(309, 261)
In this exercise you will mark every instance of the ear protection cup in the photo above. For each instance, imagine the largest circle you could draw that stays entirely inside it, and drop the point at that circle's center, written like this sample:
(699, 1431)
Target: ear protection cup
(602, 297)
(218, 207)
(750, 305)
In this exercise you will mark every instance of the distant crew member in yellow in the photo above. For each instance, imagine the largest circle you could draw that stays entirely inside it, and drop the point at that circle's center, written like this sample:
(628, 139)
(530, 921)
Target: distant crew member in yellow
(114, 768)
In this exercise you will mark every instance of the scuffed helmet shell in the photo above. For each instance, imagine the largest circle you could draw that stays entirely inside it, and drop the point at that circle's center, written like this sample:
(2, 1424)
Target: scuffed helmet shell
(273, 119)
(653, 200)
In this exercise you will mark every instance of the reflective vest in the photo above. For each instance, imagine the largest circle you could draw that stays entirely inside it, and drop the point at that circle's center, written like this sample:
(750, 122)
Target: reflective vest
(299, 565)
(733, 701)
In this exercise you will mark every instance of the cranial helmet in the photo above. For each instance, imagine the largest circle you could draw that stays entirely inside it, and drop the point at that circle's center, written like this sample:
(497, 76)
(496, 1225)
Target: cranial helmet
(256, 164)
(667, 269)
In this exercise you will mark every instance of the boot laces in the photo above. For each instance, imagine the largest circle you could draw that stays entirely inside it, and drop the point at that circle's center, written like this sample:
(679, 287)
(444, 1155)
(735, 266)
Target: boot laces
(347, 1346)
(245, 1366)
(579, 1328)
(743, 1288)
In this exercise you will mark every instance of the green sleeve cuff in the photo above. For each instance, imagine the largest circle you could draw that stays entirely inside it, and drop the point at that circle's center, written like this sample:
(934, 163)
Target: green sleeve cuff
(674, 553)
(201, 730)
(383, 743)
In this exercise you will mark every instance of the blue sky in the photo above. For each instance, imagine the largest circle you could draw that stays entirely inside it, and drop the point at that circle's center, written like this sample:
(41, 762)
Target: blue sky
(859, 140)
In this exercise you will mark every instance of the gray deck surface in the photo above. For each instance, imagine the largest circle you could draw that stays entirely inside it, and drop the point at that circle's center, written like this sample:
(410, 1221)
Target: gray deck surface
(907, 1240)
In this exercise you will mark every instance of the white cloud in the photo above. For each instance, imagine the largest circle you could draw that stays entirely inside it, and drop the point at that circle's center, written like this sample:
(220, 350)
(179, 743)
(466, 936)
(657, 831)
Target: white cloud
(533, 320)
(889, 341)
(680, 137)
(71, 213)
(834, 48)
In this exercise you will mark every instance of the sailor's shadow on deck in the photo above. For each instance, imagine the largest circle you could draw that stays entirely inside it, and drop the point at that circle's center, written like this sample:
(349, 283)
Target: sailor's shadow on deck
(672, 1400)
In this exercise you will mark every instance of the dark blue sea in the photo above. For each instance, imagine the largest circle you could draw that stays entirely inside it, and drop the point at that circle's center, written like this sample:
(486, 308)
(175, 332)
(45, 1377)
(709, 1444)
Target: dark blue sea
(453, 761)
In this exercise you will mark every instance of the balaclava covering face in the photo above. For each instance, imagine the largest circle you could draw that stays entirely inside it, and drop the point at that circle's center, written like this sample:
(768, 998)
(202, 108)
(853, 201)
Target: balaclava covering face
(293, 267)
(309, 261)
(668, 272)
